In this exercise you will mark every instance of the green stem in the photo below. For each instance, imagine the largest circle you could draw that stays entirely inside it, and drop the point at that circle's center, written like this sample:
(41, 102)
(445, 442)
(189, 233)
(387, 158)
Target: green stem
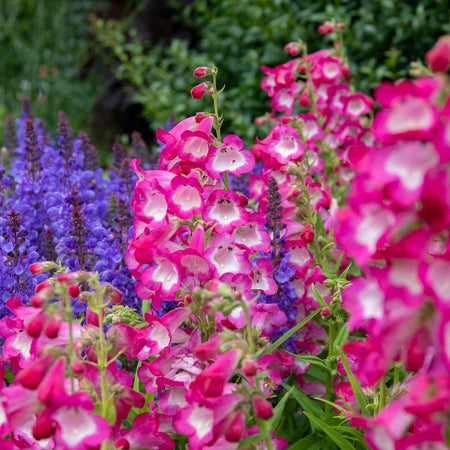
(382, 401)
(248, 326)
(102, 360)
(396, 373)
(329, 385)
(69, 314)
(263, 428)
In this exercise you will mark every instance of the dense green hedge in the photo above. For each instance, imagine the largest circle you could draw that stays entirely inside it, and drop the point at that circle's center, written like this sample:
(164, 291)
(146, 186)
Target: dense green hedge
(381, 37)
(43, 48)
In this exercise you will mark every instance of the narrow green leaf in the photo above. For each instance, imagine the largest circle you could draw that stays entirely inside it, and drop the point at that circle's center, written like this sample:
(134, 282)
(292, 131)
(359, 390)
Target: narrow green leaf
(309, 442)
(278, 410)
(338, 407)
(288, 334)
(353, 431)
(360, 396)
(338, 439)
(252, 439)
(305, 402)
(341, 337)
(318, 297)
(312, 360)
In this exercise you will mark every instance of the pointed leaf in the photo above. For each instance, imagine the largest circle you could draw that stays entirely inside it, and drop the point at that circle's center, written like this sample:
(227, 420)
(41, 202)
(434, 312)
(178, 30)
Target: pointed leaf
(337, 438)
(278, 410)
(288, 334)
(360, 396)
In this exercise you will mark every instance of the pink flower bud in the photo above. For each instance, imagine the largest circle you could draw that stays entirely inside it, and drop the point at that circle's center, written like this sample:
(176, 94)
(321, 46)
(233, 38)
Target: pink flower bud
(84, 296)
(341, 25)
(236, 428)
(74, 291)
(92, 317)
(207, 350)
(201, 72)
(197, 92)
(304, 99)
(322, 29)
(44, 426)
(329, 28)
(43, 285)
(250, 368)
(77, 367)
(199, 117)
(307, 234)
(74, 277)
(42, 267)
(32, 376)
(438, 58)
(37, 301)
(263, 409)
(51, 328)
(293, 48)
(113, 294)
(326, 312)
(36, 324)
(122, 444)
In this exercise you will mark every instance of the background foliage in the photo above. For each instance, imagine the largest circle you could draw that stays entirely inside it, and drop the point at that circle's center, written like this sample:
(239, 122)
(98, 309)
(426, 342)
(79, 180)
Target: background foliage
(44, 52)
(381, 37)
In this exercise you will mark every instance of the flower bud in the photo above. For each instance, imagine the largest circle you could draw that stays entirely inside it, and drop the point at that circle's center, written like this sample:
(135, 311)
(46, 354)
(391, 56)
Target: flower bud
(36, 324)
(201, 72)
(250, 368)
(197, 92)
(199, 117)
(263, 409)
(122, 444)
(293, 48)
(43, 285)
(37, 301)
(92, 317)
(325, 312)
(42, 267)
(113, 294)
(44, 426)
(307, 234)
(207, 350)
(85, 296)
(438, 58)
(32, 376)
(74, 290)
(341, 25)
(304, 99)
(236, 428)
(77, 367)
(51, 328)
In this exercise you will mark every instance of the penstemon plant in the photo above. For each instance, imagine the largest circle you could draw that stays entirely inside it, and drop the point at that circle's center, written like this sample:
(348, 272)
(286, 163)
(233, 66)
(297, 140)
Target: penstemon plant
(292, 294)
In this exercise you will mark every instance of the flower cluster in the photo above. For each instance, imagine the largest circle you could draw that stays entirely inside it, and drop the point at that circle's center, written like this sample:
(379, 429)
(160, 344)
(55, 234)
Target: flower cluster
(57, 203)
(308, 274)
(396, 226)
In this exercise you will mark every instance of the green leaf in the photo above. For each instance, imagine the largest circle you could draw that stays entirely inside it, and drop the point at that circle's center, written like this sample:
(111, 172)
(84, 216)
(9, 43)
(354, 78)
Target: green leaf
(310, 442)
(278, 410)
(288, 334)
(252, 439)
(318, 297)
(305, 402)
(340, 408)
(341, 337)
(338, 439)
(360, 396)
(353, 431)
(315, 360)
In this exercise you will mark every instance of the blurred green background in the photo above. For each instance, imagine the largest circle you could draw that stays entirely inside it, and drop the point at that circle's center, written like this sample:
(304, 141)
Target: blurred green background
(118, 66)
